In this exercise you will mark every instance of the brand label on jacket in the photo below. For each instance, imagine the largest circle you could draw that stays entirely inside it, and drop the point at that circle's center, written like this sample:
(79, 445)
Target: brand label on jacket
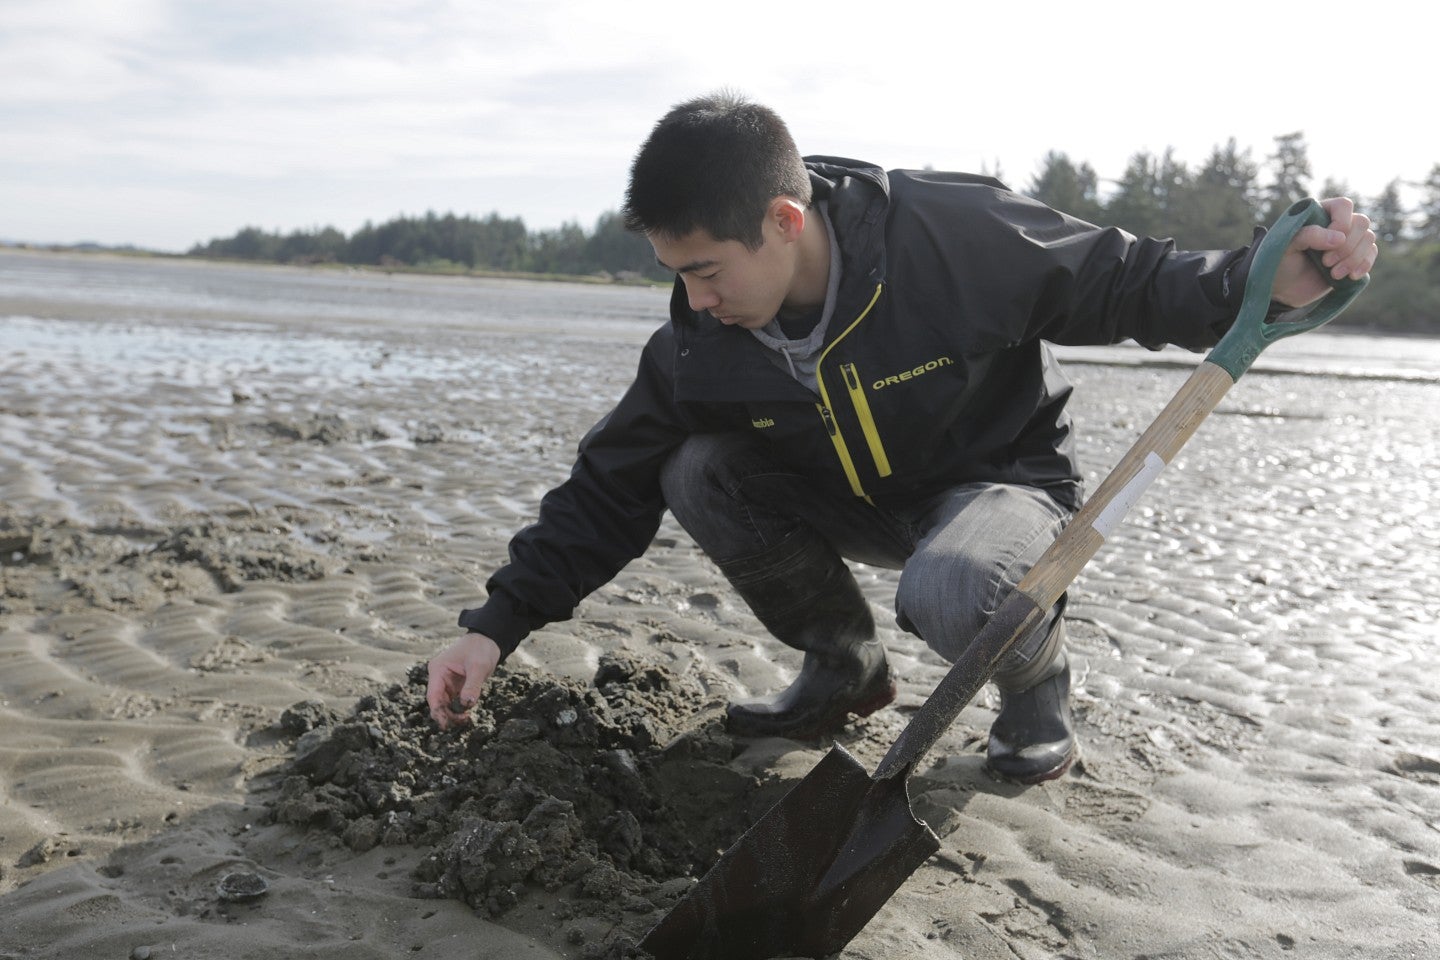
(912, 373)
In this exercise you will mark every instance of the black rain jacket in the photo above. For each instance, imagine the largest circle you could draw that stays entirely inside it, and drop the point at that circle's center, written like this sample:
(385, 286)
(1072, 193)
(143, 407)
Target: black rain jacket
(934, 370)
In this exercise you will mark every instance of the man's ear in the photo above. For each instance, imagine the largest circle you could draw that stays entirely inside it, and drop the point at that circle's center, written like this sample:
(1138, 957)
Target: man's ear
(788, 216)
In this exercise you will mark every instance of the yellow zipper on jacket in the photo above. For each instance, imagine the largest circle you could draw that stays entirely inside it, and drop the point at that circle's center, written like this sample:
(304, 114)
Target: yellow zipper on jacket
(828, 417)
(867, 421)
(842, 451)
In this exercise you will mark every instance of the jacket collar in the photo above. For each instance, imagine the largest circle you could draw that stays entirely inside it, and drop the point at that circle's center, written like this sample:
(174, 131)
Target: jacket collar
(857, 197)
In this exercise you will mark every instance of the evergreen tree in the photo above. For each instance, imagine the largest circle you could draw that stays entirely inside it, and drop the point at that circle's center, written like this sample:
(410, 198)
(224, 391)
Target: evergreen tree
(252, 243)
(1428, 228)
(364, 245)
(559, 251)
(1223, 207)
(1386, 212)
(1290, 166)
(1066, 187)
(1175, 193)
(618, 251)
(500, 244)
(1135, 206)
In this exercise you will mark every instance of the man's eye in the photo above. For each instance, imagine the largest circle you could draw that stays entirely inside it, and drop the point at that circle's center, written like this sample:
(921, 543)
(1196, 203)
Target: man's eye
(708, 276)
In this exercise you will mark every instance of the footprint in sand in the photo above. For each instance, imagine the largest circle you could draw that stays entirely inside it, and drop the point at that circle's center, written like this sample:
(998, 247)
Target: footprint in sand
(1104, 806)
(1413, 766)
(1424, 872)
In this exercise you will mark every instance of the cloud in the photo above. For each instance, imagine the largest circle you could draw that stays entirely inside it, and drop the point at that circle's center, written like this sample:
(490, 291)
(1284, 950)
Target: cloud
(535, 109)
(72, 51)
(418, 84)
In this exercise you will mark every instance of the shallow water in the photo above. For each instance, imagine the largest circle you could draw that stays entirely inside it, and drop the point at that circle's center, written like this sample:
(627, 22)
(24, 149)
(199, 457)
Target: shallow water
(142, 288)
(203, 320)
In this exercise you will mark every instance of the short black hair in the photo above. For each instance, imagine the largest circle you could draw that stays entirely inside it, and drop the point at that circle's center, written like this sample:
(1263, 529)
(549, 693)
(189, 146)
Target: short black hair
(714, 163)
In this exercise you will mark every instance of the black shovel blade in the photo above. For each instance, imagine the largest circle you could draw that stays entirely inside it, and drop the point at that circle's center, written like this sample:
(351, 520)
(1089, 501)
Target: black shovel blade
(807, 876)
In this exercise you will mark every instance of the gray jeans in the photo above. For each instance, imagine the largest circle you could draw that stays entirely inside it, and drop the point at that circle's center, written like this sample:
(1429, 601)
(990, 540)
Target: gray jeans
(959, 552)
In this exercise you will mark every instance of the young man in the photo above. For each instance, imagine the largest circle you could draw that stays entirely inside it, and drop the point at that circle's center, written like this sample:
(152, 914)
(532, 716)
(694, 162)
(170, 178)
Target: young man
(855, 368)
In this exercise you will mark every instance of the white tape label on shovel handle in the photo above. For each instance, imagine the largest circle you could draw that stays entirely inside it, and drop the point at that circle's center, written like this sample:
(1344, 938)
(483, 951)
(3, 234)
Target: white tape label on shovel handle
(1116, 509)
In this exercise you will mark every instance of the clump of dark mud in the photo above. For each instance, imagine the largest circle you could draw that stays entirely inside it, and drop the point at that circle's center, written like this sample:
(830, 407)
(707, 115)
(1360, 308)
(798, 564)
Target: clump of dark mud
(616, 794)
(325, 428)
(244, 548)
(47, 563)
(56, 564)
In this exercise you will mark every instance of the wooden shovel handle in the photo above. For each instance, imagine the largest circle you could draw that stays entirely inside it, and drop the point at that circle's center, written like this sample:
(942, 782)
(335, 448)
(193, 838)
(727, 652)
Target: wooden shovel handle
(1053, 573)
(1097, 519)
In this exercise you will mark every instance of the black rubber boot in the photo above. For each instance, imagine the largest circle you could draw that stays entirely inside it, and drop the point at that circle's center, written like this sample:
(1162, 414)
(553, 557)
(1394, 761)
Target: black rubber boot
(1033, 738)
(805, 595)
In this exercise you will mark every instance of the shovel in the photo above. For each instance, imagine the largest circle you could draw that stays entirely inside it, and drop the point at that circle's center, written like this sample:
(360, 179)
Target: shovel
(810, 873)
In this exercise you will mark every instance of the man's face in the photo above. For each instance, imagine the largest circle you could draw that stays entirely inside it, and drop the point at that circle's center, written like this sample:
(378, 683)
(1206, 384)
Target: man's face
(738, 286)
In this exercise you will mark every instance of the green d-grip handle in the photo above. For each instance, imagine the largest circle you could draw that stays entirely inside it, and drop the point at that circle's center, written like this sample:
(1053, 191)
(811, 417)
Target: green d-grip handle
(1252, 332)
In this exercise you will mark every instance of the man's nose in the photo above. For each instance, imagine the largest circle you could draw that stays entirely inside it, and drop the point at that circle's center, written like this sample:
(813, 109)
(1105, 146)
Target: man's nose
(701, 295)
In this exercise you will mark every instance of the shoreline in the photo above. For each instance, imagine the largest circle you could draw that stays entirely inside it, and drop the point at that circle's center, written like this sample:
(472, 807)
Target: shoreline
(328, 265)
(1338, 328)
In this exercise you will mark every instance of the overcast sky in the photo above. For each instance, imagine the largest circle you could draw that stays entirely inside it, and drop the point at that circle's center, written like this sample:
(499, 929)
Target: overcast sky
(164, 123)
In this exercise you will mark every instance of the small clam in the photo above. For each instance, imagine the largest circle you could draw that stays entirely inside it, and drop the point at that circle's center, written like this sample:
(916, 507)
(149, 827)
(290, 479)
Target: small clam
(237, 887)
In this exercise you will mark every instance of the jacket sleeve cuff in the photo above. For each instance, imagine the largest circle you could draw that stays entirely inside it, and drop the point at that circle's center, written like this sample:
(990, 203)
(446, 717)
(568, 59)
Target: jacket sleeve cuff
(500, 620)
(1237, 274)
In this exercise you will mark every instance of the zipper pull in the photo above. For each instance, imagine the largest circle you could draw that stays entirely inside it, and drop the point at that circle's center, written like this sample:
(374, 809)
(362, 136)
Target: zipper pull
(852, 379)
(829, 421)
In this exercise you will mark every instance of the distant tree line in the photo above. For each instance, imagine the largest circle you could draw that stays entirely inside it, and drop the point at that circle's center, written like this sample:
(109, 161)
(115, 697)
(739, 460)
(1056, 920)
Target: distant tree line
(456, 244)
(1215, 205)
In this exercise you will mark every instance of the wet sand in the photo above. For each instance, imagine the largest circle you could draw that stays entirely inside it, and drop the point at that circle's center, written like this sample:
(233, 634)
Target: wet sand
(210, 514)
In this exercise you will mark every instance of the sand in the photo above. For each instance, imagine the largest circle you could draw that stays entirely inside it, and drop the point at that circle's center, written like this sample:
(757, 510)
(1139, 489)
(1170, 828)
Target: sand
(228, 540)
